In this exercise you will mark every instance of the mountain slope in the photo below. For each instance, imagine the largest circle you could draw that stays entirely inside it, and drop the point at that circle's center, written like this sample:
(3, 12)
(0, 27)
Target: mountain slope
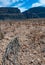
(10, 13)
(9, 10)
(15, 13)
(36, 12)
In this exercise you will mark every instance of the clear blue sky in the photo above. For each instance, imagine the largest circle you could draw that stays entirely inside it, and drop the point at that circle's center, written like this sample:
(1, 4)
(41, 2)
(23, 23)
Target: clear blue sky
(22, 4)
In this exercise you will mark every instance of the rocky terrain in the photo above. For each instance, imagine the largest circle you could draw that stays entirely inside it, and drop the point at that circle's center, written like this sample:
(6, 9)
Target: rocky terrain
(31, 37)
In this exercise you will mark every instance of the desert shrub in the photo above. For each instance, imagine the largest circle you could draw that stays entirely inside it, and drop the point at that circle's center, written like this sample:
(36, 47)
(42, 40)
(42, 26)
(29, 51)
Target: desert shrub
(1, 35)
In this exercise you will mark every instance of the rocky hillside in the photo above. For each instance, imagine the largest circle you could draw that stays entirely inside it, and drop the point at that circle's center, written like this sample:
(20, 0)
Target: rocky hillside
(15, 13)
(31, 38)
(35, 12)
(10, 13)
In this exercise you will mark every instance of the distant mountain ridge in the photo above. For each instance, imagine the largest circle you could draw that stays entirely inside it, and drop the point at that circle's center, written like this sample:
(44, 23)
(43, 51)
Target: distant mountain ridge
(9, 10)
(10, 13)
(15, 13)
(35, 12)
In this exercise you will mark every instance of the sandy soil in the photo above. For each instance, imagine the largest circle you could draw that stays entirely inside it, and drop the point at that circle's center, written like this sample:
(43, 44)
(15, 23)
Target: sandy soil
(31, 35)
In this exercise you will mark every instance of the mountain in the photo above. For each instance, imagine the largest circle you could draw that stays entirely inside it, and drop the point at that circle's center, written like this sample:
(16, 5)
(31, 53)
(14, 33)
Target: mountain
(10, 13)
(9, 10)
(15, 13)
(36, 12)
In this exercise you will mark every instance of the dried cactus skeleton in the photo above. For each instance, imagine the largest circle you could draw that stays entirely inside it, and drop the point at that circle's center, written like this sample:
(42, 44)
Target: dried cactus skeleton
(11, 54)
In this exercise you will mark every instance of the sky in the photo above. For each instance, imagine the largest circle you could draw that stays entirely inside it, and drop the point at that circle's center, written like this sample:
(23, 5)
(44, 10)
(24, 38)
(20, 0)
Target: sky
(22, 4)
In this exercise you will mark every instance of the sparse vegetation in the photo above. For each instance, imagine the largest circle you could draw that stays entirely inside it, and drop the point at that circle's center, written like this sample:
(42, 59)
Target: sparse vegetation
(31, 34)
(1, 35)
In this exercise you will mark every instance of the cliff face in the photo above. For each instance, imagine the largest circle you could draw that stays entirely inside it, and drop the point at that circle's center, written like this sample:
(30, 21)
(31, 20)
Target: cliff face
(9, 10)
(10, 13)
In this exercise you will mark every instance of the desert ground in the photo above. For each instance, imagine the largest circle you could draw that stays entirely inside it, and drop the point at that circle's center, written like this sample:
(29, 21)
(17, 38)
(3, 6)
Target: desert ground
(31, 36)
